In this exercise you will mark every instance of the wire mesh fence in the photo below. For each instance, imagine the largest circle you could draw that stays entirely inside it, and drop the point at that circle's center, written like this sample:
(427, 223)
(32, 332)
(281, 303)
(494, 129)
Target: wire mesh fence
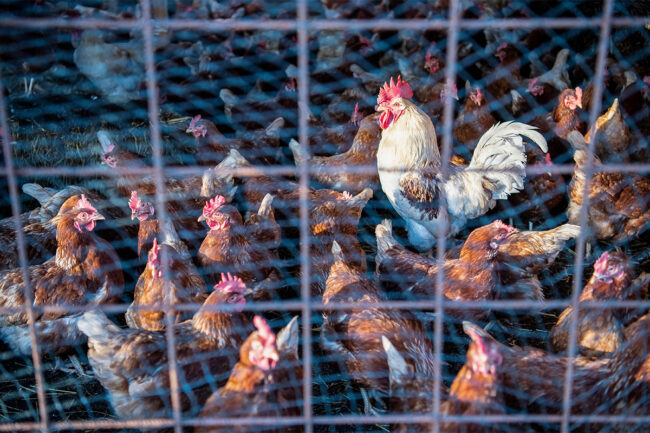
(138, 106)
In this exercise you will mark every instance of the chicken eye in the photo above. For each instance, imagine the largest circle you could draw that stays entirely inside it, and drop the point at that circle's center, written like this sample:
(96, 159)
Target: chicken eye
(233, 298)
(83, 215)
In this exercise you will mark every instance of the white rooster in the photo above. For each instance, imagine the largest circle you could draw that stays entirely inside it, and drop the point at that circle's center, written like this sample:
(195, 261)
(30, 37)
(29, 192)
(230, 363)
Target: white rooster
(409, 166)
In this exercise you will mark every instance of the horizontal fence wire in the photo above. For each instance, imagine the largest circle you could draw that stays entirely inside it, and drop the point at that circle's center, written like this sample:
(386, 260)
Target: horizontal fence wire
(303, 172)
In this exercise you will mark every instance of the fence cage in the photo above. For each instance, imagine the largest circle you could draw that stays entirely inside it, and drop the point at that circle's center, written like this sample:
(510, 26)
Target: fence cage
(103, 98)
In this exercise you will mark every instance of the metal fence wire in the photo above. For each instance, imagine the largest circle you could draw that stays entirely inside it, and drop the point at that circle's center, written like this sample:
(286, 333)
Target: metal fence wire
(102, 98)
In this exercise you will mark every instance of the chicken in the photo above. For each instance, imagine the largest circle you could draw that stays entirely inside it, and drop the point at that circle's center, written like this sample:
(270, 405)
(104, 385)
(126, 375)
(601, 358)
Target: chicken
(133, 365)
(38, 232)
(185, 286)
(613, 137)
(258, 383)
(213, 146)
(542, 194)
(117, 70)
(618, 202)
(600, 330)
(471, 277)
(356, 166)
(617, 385)
(473, 120)
(409, 162)
(506, 77)
(520, 257)
(250, 114)
(476, 390)
(179, 191)
(356, 335)
(232, 246)
(557, 78)
(564, 118)
(429, 92)
(84, 271)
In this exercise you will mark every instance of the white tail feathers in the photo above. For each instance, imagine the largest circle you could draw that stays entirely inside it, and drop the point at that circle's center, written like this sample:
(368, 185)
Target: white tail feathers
(216, 181)
(98, 327)
(501, 150)
(234, 160)
(360, 200)
(566, 232)
(287, 338)
(105, 140)
(266, 210)
(43, 195)
(273, 129)
(577, 140)
(558, 76)
(337, 251)
(295, 149)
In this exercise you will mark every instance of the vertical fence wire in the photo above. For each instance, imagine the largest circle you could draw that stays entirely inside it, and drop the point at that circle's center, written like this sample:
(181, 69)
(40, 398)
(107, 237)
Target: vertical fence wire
(302, 25)
(160, 200)
(443, 215)
(303, 197)
(22, 257)
(605, 27)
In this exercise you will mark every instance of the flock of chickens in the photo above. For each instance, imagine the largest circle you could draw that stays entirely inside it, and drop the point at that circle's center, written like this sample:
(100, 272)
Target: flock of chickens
(206, 260)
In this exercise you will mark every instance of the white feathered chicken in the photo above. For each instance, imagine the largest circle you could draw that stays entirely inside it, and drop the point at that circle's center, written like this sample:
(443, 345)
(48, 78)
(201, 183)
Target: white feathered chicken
(409, 166)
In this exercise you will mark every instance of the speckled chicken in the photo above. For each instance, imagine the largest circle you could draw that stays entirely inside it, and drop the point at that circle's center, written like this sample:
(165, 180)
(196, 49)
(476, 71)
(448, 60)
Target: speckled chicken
(84, 271)
(246, 249)
(265, 382)
(471, 277)
(133, 366)
(184, 286)
(356, 335)
(476, 390)
(351, 171)
(618, 202)
(601, 330)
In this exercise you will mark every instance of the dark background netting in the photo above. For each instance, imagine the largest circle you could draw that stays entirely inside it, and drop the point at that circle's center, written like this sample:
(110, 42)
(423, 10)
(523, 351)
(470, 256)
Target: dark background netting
(55, 112)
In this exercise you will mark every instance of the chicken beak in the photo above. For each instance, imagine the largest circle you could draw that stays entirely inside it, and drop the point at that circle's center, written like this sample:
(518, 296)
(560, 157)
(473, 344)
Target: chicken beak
(579, 104)
(98, 217)
(201, 218)
(380, 108)
(247, 292)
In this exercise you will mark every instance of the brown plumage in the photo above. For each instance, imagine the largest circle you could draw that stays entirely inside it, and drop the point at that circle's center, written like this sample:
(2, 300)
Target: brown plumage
(618, 202)
(132, 364)
(247, 250)
(471, 277)
(476, 390)
(39, 232)
(185, 286)
(506, 76)
(600, 330)
(613, 136)
(84, 271)
(564, 118)
(542, 193)
(356, 335)
(474, 119)
(361, 156)
(257, 389)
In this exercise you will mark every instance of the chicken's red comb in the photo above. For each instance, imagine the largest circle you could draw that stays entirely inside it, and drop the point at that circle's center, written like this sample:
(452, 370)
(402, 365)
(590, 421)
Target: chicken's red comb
(213, 204)
(600, 266)
(230, 284)
(501, 225)
(83, 203)
(547, 158)
(502, 46)
(264, 330)
(579, 95)
(400, 89)
(133, 201)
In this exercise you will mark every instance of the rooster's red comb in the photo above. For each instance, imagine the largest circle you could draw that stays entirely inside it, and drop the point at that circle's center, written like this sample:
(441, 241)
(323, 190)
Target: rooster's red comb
(501, 225)
(400, 89)
(133, 201)
(264, 330)
(213, 204)
(230, 284)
